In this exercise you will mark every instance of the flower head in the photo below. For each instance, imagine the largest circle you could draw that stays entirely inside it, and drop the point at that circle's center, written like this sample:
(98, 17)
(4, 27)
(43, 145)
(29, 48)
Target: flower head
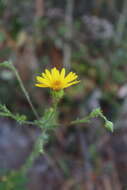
(56, 80)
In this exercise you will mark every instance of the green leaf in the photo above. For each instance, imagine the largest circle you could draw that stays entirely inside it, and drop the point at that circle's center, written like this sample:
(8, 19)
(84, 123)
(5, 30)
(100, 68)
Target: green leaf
(7, 64)
(5, 112)
(95, 113)
(48, 120)
(20, 118)
(109, 125)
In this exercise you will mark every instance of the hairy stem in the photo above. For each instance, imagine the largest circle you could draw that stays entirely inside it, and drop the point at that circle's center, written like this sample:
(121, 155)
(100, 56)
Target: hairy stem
(24, 90)
(37, 150)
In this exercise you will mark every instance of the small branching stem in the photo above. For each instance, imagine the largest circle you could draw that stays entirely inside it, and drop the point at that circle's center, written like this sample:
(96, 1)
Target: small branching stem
(24, 90)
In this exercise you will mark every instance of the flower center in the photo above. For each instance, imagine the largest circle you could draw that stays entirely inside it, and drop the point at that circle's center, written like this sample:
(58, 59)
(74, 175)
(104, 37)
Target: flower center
(57, 85)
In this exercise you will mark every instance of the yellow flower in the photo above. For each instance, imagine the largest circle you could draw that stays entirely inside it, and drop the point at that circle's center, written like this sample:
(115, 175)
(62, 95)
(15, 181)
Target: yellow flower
(56, 80)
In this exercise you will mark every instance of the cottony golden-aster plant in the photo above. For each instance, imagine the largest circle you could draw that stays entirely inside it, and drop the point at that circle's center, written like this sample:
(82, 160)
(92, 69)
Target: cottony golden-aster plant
(56, 79)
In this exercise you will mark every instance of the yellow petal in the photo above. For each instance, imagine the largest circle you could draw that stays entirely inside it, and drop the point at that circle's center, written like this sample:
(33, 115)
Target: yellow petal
(73, 76)
(45, 77)
(55, 74)
(41, 85)
(48, 74)
(42, 80)
(62, 73)
(70, 77)
(72, 83)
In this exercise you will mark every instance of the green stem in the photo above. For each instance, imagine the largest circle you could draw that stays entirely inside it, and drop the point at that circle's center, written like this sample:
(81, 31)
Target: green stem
(40, 141)
(38, 149)
(24, 90)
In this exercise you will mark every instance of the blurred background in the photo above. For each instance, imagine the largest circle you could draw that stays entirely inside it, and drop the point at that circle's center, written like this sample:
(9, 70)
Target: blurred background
(90, 38)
